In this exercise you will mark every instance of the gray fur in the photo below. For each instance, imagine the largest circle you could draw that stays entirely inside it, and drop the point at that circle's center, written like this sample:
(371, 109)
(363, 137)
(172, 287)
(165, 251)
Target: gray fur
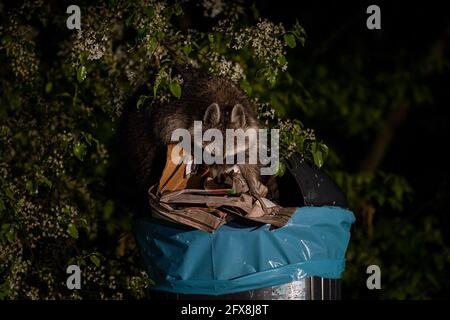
(216, 100)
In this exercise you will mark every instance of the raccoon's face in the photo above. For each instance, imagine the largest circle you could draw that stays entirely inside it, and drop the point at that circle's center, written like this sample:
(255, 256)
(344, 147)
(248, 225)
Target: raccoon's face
(223, 118)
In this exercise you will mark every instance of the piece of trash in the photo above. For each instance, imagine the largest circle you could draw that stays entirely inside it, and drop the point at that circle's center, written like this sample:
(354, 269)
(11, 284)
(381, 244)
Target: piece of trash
(187, 195)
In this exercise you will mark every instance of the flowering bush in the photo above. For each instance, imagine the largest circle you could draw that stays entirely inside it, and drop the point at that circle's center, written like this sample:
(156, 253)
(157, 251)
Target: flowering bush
(62, 96)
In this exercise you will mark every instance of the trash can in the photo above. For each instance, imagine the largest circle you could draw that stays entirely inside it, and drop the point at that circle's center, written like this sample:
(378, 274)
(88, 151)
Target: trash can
(303, 260)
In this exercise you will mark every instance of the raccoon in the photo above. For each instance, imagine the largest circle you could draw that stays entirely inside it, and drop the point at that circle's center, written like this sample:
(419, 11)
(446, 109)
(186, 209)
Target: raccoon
(215, 101)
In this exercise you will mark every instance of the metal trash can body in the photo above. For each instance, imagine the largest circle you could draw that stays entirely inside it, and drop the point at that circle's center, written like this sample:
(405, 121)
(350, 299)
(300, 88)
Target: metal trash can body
(309, 288)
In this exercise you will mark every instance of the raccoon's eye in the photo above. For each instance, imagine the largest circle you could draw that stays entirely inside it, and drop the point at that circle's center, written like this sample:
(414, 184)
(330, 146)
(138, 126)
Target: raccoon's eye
(213, 152)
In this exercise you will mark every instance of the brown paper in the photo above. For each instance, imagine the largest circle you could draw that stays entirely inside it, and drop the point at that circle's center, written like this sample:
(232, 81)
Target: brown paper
(177, 199)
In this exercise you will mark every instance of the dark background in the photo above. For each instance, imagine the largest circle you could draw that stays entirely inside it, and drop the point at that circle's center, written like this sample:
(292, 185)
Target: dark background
(418, 145)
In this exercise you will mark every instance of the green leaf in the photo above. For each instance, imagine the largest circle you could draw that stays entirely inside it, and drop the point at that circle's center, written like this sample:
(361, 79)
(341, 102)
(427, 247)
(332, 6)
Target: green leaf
(281, 60)
(72, 231)
(7, 38)
(178, 9)
(89, 138)
(324, 147)
(79, 150)
(45, 180)
(187, 49)
(81, 74)
(129, 20)
(2, 205)
(141, 101)
(255, 11)
(64, 95)
(108, 209)
(299, 32)
(48, 87)
(155, 87)
(175, 88)
(271, 77)
(11, 235)
(289, 39)
(149, 282)
(152, 44)
(141, 33)
(7, 231)
(245, 85)
(9, 194)
(161, 35)
(281, 169)
(30, 187)
(149, 11)
(211, 38)
(95, 260)
(318, 158)
(83, 56)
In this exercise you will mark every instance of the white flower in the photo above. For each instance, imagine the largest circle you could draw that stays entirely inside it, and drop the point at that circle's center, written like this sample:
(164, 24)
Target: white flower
(213, 7)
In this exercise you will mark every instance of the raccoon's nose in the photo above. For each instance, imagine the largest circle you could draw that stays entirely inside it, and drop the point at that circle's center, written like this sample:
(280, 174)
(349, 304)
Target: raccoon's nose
(220, 178)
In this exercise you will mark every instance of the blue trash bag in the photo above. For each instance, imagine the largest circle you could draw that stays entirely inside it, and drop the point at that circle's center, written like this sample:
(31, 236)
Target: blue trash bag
(239, 257)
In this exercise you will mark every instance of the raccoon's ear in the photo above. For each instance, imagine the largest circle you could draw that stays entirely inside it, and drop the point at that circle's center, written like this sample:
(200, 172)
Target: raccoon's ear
(238, 115)
(212, 114)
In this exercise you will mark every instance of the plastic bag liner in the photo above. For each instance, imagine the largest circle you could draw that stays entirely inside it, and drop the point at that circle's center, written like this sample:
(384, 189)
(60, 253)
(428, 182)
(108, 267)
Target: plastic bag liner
(240, 257)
